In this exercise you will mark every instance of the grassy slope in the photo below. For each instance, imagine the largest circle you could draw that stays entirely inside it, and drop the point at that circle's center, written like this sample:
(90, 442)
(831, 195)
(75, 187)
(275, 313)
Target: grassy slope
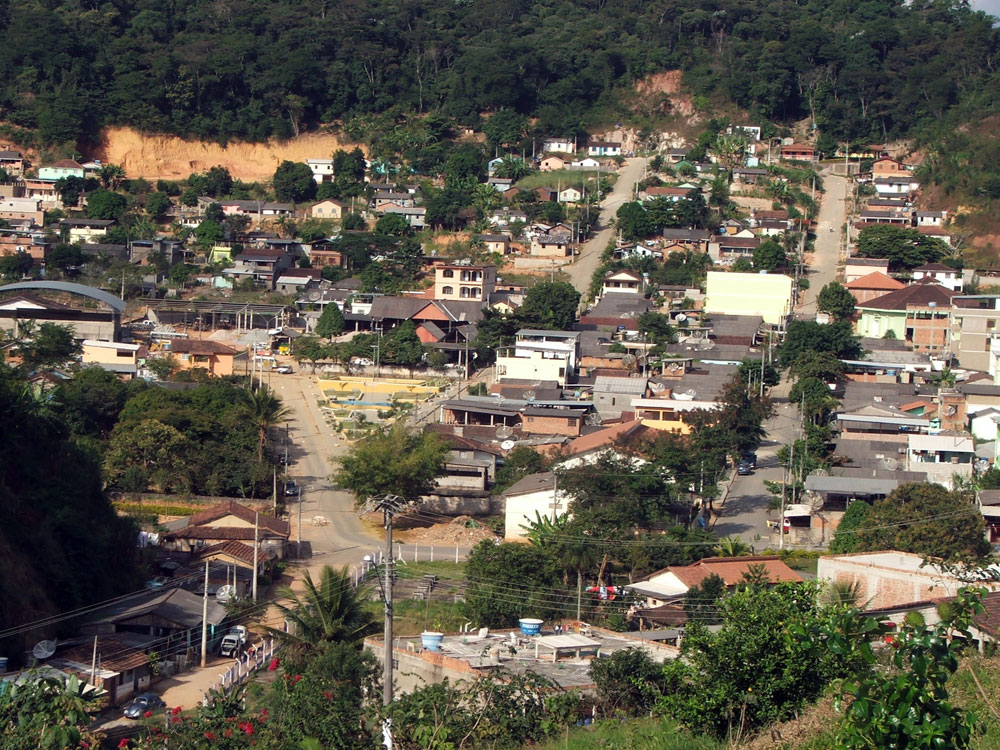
(813, 730)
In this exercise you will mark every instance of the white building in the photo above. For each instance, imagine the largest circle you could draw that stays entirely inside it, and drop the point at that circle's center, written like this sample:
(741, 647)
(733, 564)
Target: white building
(559, 145)
(539, 355)
(622, 282)
(939, 273)
(942, 457)
(322, 169)
(533, 496)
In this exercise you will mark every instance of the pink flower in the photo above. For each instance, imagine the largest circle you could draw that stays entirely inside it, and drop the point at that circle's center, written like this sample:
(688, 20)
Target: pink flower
(209, 736)
(123, 743)
(175, 710)
(328, 695)
(274, 664)
(228, 733)
(296, 678)
(147, 715)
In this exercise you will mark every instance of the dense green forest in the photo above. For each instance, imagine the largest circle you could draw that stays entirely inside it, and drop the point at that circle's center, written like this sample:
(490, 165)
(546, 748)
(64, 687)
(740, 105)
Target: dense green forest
(255, 68)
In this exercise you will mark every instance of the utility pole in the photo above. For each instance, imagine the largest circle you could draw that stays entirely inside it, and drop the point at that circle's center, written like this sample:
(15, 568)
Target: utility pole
(204, 620)
(256, 529)
(93, 665)
(298, 527)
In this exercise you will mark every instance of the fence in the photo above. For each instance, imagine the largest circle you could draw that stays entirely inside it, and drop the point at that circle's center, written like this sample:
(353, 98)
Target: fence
(249, 662)
(406, 553)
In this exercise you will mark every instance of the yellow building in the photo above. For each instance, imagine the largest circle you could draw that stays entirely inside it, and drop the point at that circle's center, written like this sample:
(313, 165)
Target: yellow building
(669, 415)
(768, 295)
(113, 356)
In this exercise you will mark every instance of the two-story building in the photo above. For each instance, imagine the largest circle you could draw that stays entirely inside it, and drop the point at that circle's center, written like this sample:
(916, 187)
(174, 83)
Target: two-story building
(457, 281)
(12, 162)
(919, 314)
(22, 209)
(261, 265)
(622, 281)
(939, 273)
(113, 356)
(975, 326)
(322, 169)
(539, 355)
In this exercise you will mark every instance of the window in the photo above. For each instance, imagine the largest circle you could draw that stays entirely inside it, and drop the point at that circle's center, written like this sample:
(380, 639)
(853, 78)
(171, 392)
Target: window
(448, 273)
(465, 292)
(447, 290)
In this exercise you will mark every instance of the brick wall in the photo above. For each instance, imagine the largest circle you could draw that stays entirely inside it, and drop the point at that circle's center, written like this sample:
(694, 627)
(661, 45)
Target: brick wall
(569, 426)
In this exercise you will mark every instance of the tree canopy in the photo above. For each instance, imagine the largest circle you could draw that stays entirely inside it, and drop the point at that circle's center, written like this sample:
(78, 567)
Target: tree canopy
(398, 461)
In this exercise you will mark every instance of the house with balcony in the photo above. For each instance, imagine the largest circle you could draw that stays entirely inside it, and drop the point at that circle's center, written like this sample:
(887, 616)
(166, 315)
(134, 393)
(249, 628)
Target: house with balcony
(457, 281)
(974, 327)
(539, 355)
(263, 265)
(623, 281)
(322, 169)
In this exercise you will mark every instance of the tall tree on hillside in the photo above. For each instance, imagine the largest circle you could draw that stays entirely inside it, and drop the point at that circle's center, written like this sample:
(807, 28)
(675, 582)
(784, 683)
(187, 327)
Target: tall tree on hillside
(293, 182)
(550, 304)
(331, 322)
(396, 461)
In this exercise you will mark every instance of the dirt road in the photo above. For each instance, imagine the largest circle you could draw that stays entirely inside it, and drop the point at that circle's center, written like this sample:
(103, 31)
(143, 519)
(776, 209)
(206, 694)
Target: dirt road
(582, 269)
(829, 230)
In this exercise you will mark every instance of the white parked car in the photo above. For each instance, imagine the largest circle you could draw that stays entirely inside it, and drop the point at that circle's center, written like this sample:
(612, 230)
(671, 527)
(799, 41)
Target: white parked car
(361, 361)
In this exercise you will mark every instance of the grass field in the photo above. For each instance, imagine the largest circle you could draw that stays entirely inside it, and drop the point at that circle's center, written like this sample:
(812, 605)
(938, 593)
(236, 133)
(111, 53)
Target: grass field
(635, 734)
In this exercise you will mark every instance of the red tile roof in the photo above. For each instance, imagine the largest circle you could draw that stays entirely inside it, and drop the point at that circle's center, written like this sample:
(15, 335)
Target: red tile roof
(234, 549)
(200, 347)
(607, 436)
(876, 280)
(731, 569)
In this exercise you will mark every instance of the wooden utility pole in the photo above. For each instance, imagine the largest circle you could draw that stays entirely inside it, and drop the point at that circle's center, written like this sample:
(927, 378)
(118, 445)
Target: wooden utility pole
(256, 528)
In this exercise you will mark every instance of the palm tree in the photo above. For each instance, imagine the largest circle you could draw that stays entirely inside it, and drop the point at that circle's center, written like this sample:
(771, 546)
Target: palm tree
(731, 546)
(265, 411)
(111, 176)
(579, 556)
(331, 612)
(842, 593)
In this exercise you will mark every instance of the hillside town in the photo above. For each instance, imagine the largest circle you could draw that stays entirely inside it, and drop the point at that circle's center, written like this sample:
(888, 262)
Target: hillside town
(670, 372)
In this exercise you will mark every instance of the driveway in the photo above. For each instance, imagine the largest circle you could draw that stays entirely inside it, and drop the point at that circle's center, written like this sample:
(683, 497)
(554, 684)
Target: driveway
(582, 269)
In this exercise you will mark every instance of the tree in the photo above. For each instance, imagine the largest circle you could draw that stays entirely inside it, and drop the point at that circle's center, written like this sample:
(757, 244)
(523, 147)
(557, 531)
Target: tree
(392, 224)
(51, 345)
(836, 300)
(769, 256)
(293, 182)
(512, 168)
(657, 327)
(903, 248)
(750, 673)
(628, 682)
(111, 176)
(924, 519)
(157, 449)
(310, 349)
(105, 204)
(216, 182)
(208, 233)
(48, 710)
(402, 346)
(214, 212)
(550, 304)
(813, 398)
(701, 602)
(354, 223)
(907, 705)
(15, 265)
(490, 567)
(505, 128)
(331, 612)
(331, 322)
(732, 546)
(578, 556)
(157, 205)
(815, 364)
(395, 461)
(802, 336)
(264, 411)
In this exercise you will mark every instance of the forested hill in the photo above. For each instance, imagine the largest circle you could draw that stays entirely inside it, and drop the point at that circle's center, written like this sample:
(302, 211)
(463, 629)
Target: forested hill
(254, 68)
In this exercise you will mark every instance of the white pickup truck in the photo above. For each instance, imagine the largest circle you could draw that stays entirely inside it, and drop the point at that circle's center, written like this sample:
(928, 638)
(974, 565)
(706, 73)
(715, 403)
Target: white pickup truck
(234, 641)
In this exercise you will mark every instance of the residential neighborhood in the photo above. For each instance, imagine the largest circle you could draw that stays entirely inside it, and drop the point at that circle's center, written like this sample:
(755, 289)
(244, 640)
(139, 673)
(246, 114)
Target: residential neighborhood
(518, 421)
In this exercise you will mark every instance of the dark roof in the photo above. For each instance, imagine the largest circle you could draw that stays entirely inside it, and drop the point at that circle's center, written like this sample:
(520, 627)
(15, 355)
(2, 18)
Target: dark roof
(176, 606)
(691, 235)
(238, 550)
(540, 482)
(726, 241)
(93, 223)
(11, 155)
(989, 621)
(233, 508)
(916, 294)
(72, 288)
(199, 347)
(935, 267)
(68, 163)
(867, 262)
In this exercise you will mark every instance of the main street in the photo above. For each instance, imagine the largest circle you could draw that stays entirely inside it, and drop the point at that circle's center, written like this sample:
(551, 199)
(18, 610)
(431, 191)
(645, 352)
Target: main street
(744, 513)
(582, 269)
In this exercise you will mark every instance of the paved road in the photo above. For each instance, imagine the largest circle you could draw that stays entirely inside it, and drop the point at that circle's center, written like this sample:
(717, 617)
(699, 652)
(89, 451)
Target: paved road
(745, 514)
(823, 266)
(582, 269)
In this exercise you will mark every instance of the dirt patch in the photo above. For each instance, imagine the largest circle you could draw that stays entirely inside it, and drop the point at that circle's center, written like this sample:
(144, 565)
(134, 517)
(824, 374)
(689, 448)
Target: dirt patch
(812, 722)
(462, 531)
(664, 92)
(154, 156)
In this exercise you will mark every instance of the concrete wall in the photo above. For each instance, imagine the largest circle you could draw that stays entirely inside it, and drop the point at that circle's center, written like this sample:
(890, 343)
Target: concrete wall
(458, 505)
(881, 586)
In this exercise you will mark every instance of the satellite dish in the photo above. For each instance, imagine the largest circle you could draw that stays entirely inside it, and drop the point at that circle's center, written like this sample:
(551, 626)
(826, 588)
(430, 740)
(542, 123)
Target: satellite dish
(504, 431)
(593, 419)
(680, 317)
(529, 395)
(891, 464)
(819, 473)
(675, 366)
(507, 445)
(657, 387)
(225, 593)
(628, 360)
(500, 398)
(313, 296)
(43, 649)
(950, 410)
